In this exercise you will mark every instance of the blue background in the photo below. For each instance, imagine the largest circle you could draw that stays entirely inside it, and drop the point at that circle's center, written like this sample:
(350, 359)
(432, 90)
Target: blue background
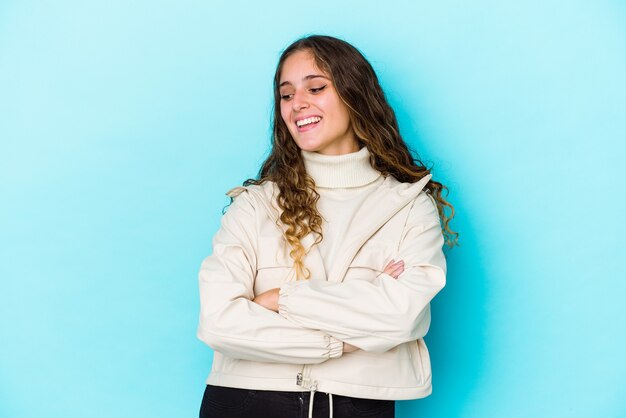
(122, 124)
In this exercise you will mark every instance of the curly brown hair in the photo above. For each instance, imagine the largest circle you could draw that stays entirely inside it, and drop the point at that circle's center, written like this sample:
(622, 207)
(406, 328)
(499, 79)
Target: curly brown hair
(374, 124)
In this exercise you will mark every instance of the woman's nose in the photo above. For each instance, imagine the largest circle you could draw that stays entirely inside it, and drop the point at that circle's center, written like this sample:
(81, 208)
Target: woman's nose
(299, 102)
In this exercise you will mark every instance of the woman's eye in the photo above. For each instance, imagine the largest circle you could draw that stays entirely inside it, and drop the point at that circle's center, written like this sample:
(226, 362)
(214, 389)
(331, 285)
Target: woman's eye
(314, 90)
(317, 90)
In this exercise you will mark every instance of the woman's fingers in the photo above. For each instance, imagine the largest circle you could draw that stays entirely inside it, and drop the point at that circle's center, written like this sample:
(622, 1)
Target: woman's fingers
(394, 269)
(349, 348)
(397, 272)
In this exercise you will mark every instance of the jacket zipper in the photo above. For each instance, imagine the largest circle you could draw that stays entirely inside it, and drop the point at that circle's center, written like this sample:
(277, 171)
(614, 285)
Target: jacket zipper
(302, 375)
(303, 378)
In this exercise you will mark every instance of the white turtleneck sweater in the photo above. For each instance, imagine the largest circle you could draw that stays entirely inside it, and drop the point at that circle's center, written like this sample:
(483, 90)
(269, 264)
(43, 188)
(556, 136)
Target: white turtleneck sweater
(343, 182)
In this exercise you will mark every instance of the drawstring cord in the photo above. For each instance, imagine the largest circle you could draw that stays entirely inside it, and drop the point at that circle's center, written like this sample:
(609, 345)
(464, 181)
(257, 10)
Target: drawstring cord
(311, 404)
(330, 401)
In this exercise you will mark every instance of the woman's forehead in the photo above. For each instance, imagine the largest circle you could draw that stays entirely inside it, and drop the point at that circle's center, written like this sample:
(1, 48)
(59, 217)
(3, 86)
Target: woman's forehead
(300, 66)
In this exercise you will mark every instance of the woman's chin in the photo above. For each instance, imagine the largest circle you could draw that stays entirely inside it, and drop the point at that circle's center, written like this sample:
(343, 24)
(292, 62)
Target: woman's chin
(310, 146)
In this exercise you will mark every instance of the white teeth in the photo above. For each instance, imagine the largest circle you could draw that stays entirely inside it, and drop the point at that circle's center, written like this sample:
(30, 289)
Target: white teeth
(306, 121)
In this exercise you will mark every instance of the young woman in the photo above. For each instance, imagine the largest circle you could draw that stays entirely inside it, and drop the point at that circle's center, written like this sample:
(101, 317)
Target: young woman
(316, 297)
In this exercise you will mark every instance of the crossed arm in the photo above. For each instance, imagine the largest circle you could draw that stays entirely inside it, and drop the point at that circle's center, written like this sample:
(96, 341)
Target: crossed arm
(316, 320)
(269, 299)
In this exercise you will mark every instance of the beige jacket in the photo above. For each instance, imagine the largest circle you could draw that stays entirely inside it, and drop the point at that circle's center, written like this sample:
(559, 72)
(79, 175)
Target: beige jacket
(301, 347)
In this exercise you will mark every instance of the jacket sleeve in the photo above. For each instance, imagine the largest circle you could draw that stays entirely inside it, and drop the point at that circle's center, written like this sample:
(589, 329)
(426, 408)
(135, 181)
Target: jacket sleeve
(234, 325)
(380, 314)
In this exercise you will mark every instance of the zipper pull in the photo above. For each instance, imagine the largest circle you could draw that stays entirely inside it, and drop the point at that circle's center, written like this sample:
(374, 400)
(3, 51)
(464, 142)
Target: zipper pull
(299, 379)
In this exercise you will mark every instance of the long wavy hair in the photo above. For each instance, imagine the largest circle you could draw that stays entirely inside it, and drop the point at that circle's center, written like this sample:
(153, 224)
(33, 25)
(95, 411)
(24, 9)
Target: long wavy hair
(375, 126)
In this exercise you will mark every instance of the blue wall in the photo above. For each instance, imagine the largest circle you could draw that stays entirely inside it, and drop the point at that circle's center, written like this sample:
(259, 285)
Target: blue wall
(123, 123)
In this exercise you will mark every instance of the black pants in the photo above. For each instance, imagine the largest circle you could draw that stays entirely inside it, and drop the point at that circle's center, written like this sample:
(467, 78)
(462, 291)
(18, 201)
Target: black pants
(223, 402)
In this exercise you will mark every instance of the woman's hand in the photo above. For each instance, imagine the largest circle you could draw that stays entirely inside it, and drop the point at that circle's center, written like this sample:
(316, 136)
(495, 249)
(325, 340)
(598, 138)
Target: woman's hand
(394, 268)
(348, 348)
(268, 300)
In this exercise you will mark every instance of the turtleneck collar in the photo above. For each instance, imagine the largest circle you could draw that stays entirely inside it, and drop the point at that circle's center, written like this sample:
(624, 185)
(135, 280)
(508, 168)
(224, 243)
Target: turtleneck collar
(340, 171)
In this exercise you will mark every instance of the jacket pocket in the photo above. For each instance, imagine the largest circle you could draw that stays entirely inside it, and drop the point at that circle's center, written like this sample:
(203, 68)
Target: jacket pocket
(274, 266)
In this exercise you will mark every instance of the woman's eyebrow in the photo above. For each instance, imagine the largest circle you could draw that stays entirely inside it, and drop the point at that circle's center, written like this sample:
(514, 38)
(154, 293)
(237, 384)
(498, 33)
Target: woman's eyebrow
(308, 77)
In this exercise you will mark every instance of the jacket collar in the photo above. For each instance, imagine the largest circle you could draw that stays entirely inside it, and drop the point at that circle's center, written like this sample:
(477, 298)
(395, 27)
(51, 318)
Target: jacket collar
(380, 206)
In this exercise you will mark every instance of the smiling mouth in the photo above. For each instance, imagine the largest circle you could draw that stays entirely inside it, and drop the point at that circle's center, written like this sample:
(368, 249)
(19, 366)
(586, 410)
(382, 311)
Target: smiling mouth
(308, 122)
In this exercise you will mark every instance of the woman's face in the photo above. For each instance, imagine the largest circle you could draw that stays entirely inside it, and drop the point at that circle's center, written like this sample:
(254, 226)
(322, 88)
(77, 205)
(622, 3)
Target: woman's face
(311, 108)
